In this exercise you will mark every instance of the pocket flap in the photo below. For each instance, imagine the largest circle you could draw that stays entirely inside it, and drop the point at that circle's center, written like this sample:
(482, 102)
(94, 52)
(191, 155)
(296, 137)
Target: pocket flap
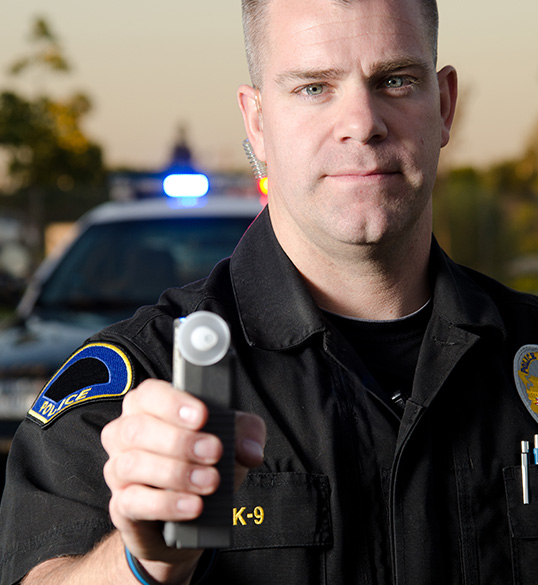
(282, 510)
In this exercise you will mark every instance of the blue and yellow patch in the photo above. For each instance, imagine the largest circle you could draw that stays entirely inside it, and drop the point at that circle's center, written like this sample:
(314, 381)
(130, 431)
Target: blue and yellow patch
(98, 371)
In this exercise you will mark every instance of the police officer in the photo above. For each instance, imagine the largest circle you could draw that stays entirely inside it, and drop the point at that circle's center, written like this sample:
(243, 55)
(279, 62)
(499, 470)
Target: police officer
(381, 370)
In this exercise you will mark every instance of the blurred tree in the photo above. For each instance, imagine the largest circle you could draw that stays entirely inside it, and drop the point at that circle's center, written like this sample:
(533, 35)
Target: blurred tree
(43, 136)
(517, 181)
(468, 221)
(488, 218)
(45, 144)
(48, 53)
(48, 153)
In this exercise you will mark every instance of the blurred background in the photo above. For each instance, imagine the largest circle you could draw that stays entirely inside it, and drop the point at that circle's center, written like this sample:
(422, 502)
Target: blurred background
(90, 90)
(100, 100)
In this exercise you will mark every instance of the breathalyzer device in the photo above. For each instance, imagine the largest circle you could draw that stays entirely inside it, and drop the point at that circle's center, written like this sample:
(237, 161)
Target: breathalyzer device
(202, 366)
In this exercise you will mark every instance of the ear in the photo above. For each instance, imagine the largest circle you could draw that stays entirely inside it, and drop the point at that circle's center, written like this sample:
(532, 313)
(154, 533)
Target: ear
(448, 90)
(249, 99)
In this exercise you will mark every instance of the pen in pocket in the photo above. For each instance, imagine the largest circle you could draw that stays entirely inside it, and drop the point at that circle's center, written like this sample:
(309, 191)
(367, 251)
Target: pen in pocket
(525, 470)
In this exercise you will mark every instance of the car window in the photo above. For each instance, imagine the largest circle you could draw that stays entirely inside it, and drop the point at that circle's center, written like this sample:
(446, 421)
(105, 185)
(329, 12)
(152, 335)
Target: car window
(117, 267)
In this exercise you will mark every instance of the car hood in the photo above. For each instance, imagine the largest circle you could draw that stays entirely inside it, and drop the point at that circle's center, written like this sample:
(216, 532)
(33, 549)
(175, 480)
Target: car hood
(36, 347)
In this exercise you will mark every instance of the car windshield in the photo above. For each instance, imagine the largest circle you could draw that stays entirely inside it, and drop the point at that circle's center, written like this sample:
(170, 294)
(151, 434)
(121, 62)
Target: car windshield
(114, 268)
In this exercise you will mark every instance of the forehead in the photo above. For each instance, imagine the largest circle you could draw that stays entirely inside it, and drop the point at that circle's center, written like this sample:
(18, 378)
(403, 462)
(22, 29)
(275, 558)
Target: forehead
(301, 33)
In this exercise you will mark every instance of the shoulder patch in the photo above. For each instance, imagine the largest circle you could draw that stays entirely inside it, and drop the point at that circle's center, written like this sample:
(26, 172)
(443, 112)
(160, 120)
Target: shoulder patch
(98, 371)
(526, 377)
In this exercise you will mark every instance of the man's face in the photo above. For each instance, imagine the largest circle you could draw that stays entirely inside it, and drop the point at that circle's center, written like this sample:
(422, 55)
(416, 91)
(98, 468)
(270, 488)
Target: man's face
(350, 120)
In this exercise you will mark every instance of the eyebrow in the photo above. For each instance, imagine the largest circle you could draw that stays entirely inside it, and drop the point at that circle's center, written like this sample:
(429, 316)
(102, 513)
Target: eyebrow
(379, 69)
(308, 74)
(386, 67)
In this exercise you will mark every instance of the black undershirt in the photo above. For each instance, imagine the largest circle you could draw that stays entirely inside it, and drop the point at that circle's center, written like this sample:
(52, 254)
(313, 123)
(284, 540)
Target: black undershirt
(388, 350)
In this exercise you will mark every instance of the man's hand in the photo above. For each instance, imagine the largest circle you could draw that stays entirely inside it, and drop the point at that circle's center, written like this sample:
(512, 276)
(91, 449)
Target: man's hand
(161, 464)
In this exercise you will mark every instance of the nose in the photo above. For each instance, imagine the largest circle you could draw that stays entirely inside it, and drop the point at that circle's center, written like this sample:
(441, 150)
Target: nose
(360, 118)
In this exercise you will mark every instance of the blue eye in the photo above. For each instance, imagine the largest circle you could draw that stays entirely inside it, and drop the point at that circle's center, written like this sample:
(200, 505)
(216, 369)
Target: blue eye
(314, 89)
(395, 82)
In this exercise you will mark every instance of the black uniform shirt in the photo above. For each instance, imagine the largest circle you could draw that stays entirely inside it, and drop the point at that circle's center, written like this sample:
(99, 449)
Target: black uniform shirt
(329, 505)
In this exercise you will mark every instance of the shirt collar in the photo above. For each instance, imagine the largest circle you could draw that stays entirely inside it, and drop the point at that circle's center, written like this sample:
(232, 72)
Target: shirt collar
(277, 311)
(460, 297)
(275, 307)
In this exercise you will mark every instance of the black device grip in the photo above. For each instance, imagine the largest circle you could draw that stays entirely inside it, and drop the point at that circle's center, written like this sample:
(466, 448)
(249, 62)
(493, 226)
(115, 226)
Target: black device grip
(212, 383)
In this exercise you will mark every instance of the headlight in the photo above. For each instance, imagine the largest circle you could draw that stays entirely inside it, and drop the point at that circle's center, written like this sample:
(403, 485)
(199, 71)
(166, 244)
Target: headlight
(17, 396)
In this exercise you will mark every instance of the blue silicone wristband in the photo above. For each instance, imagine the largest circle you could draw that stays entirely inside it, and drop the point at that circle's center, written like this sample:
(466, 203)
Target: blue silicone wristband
(142, 576)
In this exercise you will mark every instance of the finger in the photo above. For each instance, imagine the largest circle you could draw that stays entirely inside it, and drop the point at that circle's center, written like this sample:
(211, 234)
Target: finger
(250, 432)
(250, 442)
(163, 401)
(146, 433)
(138, 503)
(138, 467)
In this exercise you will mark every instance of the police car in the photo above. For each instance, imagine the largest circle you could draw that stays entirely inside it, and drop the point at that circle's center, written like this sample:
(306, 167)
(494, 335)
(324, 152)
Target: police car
(123, 256)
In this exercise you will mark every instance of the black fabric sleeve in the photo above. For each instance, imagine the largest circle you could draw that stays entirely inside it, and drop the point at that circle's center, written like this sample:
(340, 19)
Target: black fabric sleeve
(56, 500)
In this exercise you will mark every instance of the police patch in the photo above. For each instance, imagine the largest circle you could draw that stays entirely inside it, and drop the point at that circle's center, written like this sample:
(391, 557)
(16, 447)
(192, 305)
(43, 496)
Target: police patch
(526, 377)
(98, 371)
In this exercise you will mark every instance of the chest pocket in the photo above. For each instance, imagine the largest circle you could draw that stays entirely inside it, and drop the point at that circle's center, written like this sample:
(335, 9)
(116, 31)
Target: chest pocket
(282, 530)
(282, 510)
(523, 519)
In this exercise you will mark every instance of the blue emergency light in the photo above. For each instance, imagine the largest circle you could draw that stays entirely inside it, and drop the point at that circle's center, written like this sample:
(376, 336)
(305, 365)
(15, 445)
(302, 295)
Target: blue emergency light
(189, 185)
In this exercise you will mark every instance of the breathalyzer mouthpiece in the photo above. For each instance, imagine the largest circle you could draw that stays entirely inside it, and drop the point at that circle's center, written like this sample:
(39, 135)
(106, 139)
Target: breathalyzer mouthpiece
(203, 338)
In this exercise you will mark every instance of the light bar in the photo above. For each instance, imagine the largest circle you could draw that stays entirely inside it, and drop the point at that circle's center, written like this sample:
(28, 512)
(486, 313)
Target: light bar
(187, 185)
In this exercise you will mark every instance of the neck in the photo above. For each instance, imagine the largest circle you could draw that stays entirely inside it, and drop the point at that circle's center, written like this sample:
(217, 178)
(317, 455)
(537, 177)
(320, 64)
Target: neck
(377, 282)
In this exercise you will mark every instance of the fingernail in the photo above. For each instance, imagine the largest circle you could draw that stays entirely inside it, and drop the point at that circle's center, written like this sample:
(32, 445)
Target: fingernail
(202, 478)
(206, 448)
(188, 414)
(253, 448)
(187, 505)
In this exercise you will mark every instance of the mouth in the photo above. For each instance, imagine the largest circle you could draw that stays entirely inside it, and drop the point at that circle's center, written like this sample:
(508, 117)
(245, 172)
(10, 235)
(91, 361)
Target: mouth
(362, 175)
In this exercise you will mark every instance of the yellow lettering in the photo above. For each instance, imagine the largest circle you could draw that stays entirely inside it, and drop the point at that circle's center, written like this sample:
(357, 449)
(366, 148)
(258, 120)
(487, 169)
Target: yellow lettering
(83, 394)
(59, 407)
(71, 399)
(238, 516)
(259, 515)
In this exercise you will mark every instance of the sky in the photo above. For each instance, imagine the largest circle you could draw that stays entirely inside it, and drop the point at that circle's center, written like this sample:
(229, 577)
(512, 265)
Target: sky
(152, 67)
